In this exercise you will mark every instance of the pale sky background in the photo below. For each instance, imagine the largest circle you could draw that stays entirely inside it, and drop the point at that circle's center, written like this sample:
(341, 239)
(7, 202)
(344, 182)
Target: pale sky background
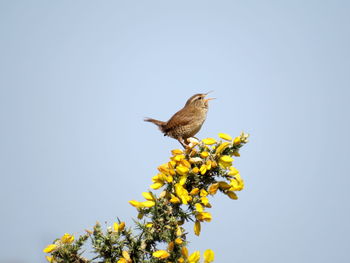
(77, 78)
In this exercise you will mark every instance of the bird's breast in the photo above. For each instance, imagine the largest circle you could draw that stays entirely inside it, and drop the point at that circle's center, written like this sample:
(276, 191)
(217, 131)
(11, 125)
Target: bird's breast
(188, 130)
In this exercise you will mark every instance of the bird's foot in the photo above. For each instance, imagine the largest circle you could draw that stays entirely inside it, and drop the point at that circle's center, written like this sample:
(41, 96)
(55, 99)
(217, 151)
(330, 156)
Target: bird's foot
(182, 142)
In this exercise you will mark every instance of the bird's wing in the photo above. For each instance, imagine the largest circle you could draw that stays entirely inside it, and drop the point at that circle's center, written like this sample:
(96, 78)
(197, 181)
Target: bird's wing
(182, 117)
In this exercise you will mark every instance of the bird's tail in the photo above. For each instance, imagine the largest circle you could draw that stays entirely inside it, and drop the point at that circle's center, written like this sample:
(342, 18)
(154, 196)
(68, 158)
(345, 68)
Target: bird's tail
(160, 124)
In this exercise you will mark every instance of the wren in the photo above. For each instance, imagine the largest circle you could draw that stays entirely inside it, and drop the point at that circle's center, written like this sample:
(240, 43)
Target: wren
(186, 122)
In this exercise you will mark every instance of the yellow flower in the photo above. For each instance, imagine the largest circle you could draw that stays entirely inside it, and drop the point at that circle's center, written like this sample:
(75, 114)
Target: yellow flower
(225, 136)
(208, 256)
(148, 196)
(148, 204)
(126, 255)
(237, 184)
(199, 207)
(159, 178)
(121, 226)
(204, 216)
(185, 163)
(195, 170)
(171, 246)
(162, 254)
(209, 141)
(135, 203)
(156, 186)
(238, 177)
(184, 252)
(149, 225)
(194, 257)
(232, 195)
(67, 238)
(205, 201)
(222, 147)
(203, 169)
(179, 157)
(234, 185)
(208, 164)
(122, 260)
(50, 248)
(178, 231)
(183, 179)
(171, 164)
(177, 151)
(182, 193)
(115, 227)
(225, 161)
(237, 140)
(164, 168)
(233, 171)
(180, 260)
(169, 178)
(179, 190)
(213, 188)
(194, 191)
(182, 170)
(50, 259)
(178, 241)
(174, 199)
(204, 154)
(197, 228)
(203, 193)
(185, 199)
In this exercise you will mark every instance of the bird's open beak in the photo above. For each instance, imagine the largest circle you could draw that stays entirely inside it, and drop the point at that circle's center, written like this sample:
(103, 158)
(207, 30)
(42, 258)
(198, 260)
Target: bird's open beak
(208, 99)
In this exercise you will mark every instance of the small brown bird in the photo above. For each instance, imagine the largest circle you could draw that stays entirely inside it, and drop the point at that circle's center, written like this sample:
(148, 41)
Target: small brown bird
(186, 122)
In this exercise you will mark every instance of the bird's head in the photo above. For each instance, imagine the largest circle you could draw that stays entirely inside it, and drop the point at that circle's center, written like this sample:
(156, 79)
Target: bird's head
(199, 100)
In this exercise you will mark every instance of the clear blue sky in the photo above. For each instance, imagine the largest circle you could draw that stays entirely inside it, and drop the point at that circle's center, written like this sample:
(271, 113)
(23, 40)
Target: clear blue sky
(77, 78)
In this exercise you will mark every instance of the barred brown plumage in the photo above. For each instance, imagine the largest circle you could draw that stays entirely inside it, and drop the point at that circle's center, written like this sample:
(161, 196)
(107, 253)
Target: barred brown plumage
(186, 122)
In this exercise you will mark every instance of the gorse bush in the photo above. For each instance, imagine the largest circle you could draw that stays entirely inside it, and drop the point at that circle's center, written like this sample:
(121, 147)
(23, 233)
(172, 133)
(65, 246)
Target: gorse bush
(203, 169)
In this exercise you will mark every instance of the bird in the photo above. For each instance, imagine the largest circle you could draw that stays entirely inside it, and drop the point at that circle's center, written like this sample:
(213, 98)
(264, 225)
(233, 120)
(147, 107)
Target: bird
(186, 122)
